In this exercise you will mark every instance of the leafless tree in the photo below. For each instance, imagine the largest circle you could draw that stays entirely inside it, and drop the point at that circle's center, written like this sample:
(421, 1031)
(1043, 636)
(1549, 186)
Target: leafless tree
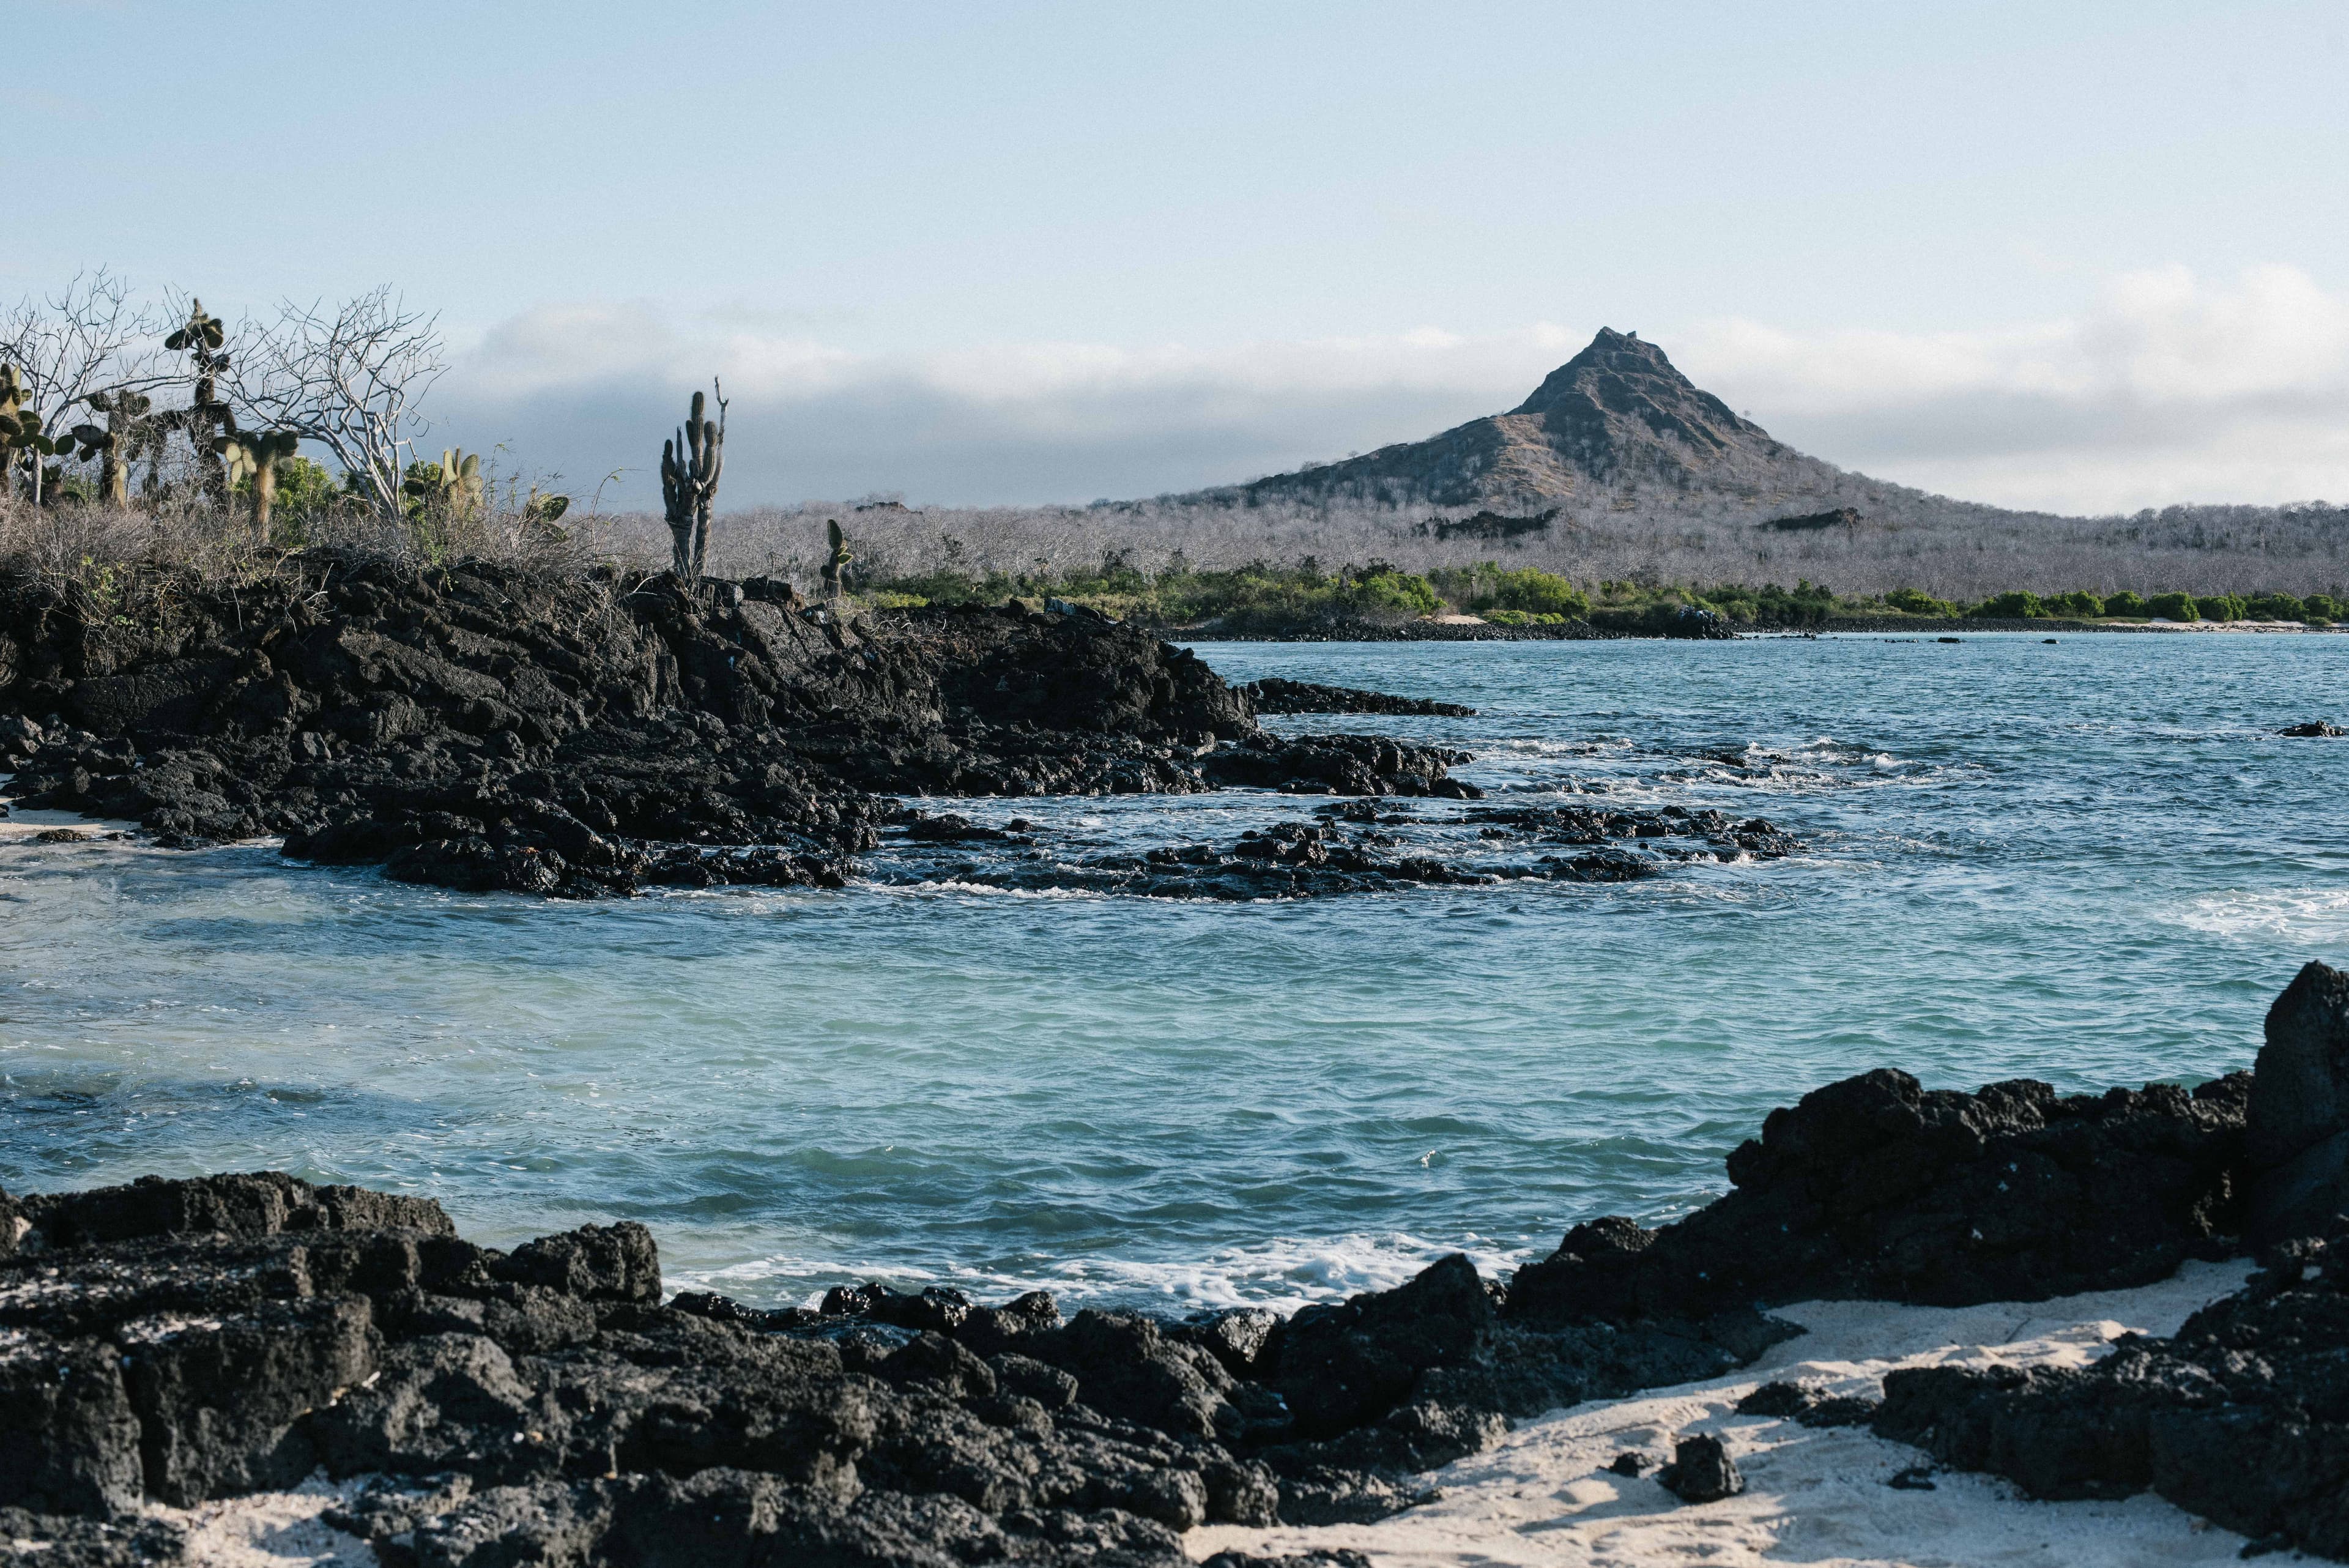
(87, 341)
(348, 377)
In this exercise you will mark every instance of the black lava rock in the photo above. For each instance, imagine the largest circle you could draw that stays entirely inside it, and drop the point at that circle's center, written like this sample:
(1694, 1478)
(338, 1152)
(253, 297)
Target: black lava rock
(1701, 1471)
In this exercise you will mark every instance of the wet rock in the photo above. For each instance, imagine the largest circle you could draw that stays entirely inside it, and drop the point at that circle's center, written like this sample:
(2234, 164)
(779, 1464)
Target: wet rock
(1274, 694)
(1701, 1471)
(2313, 729)
(1336, 765)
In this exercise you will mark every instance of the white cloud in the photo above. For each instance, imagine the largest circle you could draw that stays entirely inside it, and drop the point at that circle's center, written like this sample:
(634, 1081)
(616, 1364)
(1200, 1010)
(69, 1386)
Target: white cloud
(2165, 387)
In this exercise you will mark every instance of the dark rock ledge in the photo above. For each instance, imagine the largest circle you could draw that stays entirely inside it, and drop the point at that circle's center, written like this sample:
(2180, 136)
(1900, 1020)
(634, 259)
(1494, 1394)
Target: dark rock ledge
(481, 727)
(183, 1341)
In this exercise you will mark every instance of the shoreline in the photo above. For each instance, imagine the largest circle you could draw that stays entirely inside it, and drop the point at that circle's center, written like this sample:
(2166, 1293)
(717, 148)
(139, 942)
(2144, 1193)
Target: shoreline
(1415, 631)
(188, 1343)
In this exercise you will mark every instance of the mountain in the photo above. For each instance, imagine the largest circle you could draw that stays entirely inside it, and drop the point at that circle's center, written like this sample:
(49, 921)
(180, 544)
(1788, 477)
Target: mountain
(1616, 416)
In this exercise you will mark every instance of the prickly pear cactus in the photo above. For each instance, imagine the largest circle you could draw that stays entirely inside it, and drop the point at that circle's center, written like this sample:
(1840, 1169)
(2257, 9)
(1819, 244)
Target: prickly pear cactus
(252, 459)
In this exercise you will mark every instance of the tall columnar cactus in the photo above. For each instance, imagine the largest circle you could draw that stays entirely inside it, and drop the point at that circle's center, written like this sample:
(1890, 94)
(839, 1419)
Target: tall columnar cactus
(207, 417)
(835, 565)
(691, 465)
(255, 457)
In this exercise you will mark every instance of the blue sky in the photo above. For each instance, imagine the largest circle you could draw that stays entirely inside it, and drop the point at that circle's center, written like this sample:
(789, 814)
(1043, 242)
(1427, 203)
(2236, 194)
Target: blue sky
(2087, 256)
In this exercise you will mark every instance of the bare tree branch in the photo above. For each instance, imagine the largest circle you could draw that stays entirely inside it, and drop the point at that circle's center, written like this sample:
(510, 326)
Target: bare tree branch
(349, 380)
(79, 347)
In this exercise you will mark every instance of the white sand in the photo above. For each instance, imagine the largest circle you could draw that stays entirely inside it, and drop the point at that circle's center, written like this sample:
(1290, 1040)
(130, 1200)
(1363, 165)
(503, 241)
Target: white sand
(271, 1529)
(20, 823)
(1812, 1496)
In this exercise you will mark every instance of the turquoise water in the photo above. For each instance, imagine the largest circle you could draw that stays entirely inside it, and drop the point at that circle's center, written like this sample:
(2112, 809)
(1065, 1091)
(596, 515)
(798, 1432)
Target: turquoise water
(2090, 862)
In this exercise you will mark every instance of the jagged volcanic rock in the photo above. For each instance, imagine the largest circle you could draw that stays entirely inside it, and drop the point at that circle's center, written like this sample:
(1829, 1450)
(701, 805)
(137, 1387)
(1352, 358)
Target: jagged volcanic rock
(2243, 1416)
(1874, 1187)
(480, 727)
(1275, 694)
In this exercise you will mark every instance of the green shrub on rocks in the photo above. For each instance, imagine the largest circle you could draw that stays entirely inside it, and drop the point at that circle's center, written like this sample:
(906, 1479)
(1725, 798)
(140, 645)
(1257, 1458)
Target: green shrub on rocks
(2173, 606)
(2276, 606)
(2125, 602)
(2222, 607)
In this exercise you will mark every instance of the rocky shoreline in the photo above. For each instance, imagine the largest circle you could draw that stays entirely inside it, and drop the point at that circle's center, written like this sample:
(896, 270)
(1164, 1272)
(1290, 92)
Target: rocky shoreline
(170, 1343)
(480, 728)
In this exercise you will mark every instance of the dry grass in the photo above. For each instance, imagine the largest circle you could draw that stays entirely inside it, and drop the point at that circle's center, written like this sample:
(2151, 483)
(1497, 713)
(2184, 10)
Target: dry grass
(1950, 549)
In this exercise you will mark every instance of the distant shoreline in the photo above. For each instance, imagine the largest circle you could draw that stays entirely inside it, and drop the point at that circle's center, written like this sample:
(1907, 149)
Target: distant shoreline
(1582, 631)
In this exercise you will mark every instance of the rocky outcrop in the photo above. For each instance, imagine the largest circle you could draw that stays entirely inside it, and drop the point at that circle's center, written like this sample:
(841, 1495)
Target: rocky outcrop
(1274, 694)
(2297, 1148)
(1876, 1188)
(1363, 846)
(2240, 1416)
(177, 1342)
(183, 1342)
(479, 727)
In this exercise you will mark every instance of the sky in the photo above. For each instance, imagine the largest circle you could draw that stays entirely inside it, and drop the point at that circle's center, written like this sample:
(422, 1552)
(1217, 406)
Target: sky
(2084, 256)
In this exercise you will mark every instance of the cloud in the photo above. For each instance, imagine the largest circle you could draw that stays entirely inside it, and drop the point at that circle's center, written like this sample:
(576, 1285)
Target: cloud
(2166, 388)
(2163, 388)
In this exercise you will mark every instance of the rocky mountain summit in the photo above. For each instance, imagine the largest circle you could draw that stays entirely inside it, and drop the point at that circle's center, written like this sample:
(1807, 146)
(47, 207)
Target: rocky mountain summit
(1617, 413)
(170, 1343)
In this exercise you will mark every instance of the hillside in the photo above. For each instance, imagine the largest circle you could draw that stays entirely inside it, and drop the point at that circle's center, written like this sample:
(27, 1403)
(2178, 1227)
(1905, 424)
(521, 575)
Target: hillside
(1617, 414)
(1617, 467)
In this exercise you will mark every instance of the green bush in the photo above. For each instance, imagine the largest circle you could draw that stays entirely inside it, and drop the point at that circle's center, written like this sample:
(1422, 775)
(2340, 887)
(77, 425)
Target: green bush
(1381, 586)
(1537, 592)
(1916, 601)
(1524, 618)
(2321, 607)
(1804, 604)
(2276, 606)
(2221, 606)
(2017, 605)
(1488, 587)
(2173, 606)
(2078, 602)
(2125, 603)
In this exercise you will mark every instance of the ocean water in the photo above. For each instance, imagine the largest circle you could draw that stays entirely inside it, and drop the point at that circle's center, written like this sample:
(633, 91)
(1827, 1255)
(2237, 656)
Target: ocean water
(2092, 862)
